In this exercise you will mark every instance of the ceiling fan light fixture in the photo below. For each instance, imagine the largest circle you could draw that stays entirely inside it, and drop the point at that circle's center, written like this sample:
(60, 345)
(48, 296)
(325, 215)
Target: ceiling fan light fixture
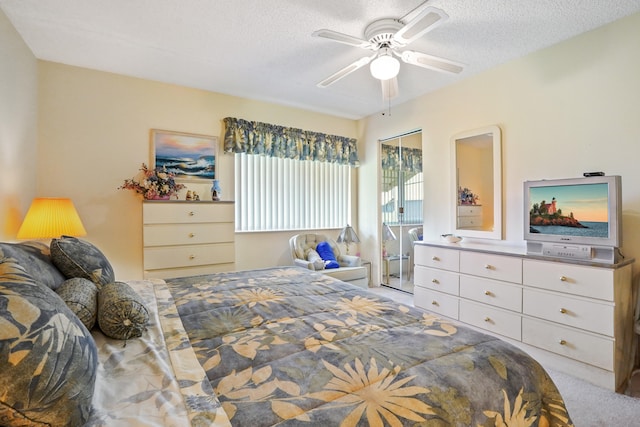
(385, 66)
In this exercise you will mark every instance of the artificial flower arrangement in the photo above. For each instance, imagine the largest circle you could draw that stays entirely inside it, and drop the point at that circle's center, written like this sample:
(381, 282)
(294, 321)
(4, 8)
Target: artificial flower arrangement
(466, 197)
(153, 183)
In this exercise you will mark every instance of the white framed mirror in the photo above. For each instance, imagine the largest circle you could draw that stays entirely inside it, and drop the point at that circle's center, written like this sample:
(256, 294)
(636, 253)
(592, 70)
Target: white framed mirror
(477, 175)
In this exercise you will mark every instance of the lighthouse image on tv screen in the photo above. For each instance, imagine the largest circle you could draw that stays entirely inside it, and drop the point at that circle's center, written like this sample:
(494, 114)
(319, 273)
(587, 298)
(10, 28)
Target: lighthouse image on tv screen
(570, 210)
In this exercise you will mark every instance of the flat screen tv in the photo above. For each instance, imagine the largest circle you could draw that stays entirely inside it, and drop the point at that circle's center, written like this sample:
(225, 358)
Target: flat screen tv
(575, 213)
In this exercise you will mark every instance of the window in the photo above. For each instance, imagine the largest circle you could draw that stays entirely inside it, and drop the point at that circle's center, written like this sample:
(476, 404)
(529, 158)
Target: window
(273, 193)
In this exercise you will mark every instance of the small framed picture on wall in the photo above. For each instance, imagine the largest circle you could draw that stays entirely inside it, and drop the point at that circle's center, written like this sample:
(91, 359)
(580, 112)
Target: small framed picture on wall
(189, 156)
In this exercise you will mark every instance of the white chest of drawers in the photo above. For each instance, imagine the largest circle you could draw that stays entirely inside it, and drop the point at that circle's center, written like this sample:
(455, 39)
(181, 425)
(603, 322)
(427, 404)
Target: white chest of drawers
(186, 239)
(469, 216)
(576, 318)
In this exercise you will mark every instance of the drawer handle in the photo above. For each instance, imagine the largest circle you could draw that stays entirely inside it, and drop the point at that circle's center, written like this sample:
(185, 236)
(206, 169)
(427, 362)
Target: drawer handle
(192, 213)
(562, 342)
(435, 281)
(435, 258)
(563, 310)
(434, 303)
(489, 267)
(192, 235)
(487, 319)
(488, 293)
(192, 257)
(563, 279)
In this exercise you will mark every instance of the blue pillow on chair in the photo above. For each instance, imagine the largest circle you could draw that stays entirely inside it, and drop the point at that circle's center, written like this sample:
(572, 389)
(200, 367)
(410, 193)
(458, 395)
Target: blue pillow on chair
(326, 253)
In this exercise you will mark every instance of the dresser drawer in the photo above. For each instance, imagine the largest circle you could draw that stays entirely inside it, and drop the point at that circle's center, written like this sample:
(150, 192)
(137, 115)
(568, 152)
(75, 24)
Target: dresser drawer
(580, 313)
(182, 212)
(582, 346)
(437, 302)
(469, 221)
(187, 234)
(498, 267)
(188, 256)
(470, 210)
(573, 279)
(438, 280)
(429, 256)
(491, 292)
(491, 319)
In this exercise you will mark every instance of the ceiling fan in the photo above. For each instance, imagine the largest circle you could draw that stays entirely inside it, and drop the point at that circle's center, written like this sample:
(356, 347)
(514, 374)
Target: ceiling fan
(386, 38)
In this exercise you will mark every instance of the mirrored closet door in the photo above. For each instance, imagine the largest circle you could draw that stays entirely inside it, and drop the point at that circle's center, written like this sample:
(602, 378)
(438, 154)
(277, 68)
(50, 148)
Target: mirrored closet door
(401, 195)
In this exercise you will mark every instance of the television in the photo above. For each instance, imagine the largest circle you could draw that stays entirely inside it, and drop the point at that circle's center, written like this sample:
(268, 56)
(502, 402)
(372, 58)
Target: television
(578, 218)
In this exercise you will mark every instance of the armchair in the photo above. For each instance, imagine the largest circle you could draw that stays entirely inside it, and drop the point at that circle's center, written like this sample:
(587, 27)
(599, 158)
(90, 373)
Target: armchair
(350, 269)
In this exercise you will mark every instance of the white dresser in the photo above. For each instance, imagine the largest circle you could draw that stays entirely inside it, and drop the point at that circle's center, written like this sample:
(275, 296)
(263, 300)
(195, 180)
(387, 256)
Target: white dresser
(469, 216)
(574, 317)
(187, 238)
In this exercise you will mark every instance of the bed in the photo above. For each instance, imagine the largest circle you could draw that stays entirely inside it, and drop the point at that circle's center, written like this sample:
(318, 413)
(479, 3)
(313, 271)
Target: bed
(288, 346)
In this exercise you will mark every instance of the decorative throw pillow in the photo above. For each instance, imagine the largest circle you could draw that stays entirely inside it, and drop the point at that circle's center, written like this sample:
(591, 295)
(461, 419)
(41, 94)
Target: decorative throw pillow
(314, 258)
(121, 311)
(79, 258)
(81, 296)
(35, 258)
(327, 255)
(48, 360)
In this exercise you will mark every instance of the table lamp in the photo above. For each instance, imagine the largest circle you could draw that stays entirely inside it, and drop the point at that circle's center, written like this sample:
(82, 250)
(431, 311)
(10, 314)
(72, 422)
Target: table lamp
(348, 235)
(387, 234)
(50, 218)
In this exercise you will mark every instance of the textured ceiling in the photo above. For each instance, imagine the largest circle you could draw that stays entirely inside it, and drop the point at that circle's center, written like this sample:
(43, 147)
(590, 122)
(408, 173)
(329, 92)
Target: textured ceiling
(263, 49)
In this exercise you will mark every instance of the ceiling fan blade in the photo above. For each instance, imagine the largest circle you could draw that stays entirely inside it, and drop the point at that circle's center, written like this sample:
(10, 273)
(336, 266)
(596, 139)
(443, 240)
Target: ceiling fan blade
(346, 71)
(428, 19)
(342, 38)
(432, 62)
(389, 88)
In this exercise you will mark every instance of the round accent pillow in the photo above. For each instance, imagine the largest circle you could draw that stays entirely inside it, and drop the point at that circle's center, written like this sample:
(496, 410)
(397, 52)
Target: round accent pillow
(48, 359)
(79, 258)
(81, 296)
(121, 311)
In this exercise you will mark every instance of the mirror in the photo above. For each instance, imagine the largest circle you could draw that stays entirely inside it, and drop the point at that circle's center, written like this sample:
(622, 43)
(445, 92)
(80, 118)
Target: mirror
(401, 207)
(477, 174)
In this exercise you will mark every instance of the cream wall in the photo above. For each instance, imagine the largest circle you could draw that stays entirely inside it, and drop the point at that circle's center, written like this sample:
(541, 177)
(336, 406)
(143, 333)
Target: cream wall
(564, 110)
(94, 132)
(18, 124)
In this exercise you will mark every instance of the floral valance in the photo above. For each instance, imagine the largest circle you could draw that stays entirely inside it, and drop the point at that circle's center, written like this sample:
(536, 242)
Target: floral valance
(243, 136)
(411, 160)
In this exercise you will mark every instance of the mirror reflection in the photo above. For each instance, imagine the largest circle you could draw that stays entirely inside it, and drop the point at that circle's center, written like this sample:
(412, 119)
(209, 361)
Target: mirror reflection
(477, 169)
(401, 196)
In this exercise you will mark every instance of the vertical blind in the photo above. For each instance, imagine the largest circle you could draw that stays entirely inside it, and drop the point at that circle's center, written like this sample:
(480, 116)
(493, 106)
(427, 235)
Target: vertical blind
(289, 178)
(273, 193)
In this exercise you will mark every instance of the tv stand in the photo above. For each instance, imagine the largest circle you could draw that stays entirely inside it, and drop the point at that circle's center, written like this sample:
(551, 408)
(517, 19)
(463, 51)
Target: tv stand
(600, 254)
(573, 315)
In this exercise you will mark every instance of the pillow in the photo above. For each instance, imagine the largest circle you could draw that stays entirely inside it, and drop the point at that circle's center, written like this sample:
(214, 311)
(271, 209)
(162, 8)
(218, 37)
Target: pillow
(48, 359)
(35, 258)
(326, 253)
(81, 296)
(79, 258)
(121, 311)
(314, 258)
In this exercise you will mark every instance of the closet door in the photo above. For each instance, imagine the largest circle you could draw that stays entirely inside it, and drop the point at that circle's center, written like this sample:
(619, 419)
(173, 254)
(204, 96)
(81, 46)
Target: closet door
(401, 195)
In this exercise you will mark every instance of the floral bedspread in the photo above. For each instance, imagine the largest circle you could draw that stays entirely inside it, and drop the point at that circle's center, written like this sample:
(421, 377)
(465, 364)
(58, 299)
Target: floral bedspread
(154, 380)
(286, 346)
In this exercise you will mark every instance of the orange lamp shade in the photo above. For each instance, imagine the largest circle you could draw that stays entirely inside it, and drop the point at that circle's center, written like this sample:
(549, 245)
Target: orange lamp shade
(50, 218)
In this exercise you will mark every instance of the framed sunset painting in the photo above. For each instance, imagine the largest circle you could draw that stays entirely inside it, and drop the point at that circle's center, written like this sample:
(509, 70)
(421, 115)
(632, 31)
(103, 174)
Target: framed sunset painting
(188, 156)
